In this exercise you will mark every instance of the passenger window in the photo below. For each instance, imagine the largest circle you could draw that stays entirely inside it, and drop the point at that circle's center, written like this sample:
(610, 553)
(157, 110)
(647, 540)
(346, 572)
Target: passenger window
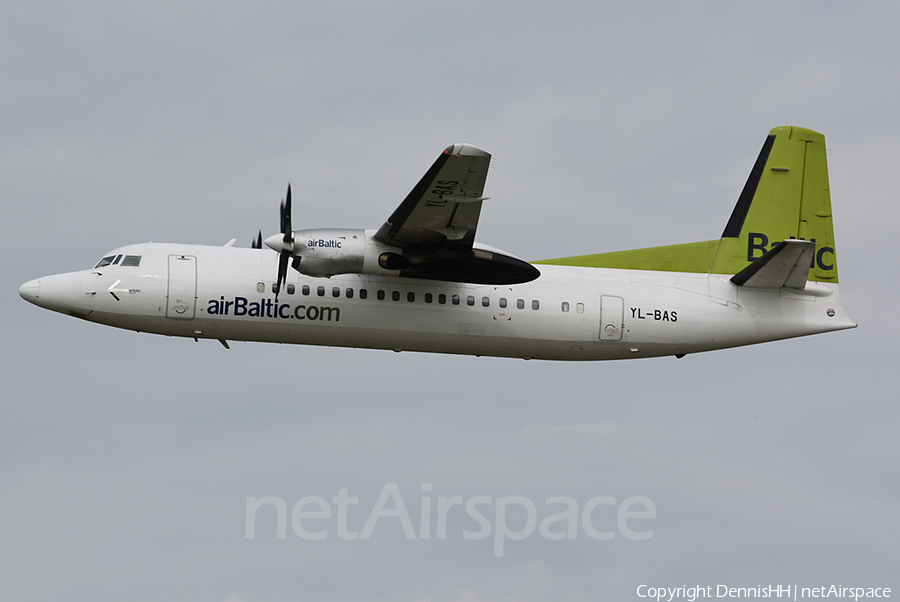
(428, 298)
(291, 289)
(486, 301)
(579, 307)
(261, 287)
(320, 291)
(454, 299)
(336, 292)
(442, 298)
(535, 304)
(520, 303)
(410, 296)
(395, 295)
(363, 293)
(502, 302)
(565, 306)
(131, 261)
(305, 289)
(349, 293)
(470, 300)
(380, 295)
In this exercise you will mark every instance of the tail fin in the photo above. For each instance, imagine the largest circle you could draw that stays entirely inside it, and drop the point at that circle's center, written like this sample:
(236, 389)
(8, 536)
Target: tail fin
(786, 197)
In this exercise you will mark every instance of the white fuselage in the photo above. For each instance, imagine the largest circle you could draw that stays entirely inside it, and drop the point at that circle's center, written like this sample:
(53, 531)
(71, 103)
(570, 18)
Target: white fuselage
(568, 313)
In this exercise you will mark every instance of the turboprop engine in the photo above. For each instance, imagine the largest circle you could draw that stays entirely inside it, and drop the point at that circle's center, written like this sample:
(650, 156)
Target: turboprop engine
(330, 251)
(327, 252)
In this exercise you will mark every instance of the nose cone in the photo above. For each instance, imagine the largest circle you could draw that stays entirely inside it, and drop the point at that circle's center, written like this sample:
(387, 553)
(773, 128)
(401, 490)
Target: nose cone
(29, 290)
(60, 292)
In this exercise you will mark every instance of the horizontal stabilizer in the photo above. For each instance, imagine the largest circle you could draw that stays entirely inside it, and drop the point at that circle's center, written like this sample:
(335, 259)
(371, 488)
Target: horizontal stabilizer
(787, 264)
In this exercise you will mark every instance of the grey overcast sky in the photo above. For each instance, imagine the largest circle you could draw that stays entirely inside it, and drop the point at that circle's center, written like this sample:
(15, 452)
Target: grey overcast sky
(126, 460)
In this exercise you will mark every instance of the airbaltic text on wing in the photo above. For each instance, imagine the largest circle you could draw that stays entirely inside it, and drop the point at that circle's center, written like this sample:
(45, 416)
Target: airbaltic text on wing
(268, 308)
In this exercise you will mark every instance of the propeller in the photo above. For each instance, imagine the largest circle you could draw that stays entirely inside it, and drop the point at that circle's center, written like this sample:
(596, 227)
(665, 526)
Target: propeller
(257, 244)
(287, 240)
(283, 244)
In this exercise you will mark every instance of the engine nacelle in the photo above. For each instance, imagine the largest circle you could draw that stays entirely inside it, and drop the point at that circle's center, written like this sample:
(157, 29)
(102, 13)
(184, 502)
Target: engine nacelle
(330, 251)
(325, 252)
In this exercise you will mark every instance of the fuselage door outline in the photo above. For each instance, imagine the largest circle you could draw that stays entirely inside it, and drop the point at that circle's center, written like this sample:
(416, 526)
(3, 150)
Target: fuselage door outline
(612, 318)
(181, 299)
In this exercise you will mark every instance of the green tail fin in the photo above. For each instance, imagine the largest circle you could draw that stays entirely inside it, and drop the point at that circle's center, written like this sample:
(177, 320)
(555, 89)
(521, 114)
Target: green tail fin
(785, 197)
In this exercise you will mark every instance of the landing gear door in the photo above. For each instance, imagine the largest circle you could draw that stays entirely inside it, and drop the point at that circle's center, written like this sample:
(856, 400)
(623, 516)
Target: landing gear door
(612, 318)
(181, 300)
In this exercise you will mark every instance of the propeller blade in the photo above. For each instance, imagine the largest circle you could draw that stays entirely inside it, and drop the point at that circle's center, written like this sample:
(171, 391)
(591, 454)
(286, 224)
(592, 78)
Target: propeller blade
(283, 259)
(286, 228)
(257, 244)
(284, 256)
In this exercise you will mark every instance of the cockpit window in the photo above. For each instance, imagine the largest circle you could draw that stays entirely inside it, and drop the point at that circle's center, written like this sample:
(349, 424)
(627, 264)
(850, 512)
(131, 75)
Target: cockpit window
(126, 260)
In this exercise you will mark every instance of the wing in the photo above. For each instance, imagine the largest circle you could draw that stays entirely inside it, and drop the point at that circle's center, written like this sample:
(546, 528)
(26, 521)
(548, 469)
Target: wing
(442, 211)
(434, 226)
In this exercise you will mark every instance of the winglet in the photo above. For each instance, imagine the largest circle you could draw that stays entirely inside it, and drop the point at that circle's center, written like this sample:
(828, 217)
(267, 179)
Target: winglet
(786, 265)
